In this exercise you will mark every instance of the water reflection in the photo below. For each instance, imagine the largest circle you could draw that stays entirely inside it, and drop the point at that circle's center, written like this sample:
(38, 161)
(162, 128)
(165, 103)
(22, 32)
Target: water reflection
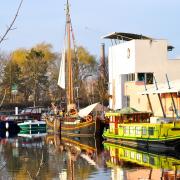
(46, 156)
(131, 163)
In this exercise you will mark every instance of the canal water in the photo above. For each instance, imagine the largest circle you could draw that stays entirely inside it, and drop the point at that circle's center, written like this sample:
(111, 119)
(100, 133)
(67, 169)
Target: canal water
(47, 156)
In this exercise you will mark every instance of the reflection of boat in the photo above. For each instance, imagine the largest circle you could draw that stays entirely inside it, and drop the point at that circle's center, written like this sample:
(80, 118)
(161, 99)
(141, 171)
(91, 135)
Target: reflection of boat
(26, 114)
(78, 153)
(8, 128)
(32, 125)
(32, 133)
(89, 123)
(82, 143)
(121, 155)
(138, 128)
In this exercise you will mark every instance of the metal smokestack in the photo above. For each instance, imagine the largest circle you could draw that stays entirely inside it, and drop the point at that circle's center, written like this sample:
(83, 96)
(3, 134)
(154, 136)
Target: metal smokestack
(102, 61)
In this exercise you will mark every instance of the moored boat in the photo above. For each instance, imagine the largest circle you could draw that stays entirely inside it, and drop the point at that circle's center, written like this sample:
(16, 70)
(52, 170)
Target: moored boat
(71, 122)
(32, 125)
(139, 129)
(87, 122)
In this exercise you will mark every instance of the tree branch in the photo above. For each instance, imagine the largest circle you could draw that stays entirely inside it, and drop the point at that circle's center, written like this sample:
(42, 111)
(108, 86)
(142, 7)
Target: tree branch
(10, 28)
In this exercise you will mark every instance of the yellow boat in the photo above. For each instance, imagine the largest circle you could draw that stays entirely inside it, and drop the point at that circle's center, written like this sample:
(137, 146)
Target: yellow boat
(139, 128)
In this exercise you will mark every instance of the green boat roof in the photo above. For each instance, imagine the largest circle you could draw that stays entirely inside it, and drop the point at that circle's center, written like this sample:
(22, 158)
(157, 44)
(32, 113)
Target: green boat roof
(125, 111)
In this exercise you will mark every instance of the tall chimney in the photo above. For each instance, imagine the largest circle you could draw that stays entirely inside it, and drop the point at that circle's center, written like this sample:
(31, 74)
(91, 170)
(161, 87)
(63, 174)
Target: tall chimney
(102, 61)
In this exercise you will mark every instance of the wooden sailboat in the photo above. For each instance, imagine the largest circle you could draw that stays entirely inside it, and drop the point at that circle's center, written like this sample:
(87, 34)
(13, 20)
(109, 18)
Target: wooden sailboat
(73, 122)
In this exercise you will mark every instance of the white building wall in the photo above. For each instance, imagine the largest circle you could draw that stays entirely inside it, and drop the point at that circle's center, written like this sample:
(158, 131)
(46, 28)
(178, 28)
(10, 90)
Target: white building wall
(151, 56)
(119, 64)
(138, 56)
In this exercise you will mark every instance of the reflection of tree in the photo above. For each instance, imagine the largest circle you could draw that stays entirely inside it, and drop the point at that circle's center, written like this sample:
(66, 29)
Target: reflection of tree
(38, 171)
(26, 160)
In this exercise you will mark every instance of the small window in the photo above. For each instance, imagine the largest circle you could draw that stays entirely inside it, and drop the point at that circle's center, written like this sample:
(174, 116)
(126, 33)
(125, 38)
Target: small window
(131, 77)
(149, 78)
(141, 76)
(132, 155)
(151, 131)
(126, 152)
(131, 130)
(126, 130)
(138, 130)
(144, 130)
(128, 53)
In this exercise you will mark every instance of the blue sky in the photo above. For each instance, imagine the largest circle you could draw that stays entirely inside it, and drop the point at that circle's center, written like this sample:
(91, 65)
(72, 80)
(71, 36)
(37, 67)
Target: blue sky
(44, 21)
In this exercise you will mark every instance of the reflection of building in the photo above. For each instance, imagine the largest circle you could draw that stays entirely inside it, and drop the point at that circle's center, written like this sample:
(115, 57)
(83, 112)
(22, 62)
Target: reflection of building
(133, 60)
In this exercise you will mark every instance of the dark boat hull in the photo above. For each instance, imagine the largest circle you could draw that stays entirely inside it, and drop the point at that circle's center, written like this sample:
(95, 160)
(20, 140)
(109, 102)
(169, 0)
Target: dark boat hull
(89, 129)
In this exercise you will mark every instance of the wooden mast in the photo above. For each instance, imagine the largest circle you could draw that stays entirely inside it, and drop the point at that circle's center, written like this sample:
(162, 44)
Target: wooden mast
(70, 98)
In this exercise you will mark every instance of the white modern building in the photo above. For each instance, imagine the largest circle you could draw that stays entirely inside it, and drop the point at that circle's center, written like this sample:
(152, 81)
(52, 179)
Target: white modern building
(137, 58)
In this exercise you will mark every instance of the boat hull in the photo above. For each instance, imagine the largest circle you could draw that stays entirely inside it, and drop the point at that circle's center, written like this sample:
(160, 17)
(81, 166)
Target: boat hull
(90, 128)
(145, 134)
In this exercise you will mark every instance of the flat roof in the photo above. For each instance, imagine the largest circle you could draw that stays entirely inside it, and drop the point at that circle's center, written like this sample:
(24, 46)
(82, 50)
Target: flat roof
(125, 36)
(130, 36)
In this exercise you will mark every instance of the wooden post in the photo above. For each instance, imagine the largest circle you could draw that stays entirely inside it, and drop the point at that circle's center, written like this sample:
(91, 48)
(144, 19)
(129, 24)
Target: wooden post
(60, 129)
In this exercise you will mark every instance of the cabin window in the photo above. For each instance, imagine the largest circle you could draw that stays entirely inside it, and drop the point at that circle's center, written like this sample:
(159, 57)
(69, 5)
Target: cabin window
(138, 130)
(126, 130)
(126, 153)
(131, 130)
(151, 131)
(132, 155)
(145, 158)
(151, 160)
(144, 130)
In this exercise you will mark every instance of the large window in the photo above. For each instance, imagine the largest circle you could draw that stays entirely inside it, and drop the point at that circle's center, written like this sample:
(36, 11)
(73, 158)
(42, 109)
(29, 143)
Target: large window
(145, 77)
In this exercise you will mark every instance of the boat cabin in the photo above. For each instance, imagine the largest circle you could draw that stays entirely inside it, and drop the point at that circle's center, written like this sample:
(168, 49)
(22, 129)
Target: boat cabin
(128, 115)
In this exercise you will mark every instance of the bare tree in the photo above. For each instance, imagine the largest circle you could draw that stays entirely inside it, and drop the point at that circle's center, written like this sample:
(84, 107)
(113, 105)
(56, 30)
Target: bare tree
(10, 27)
